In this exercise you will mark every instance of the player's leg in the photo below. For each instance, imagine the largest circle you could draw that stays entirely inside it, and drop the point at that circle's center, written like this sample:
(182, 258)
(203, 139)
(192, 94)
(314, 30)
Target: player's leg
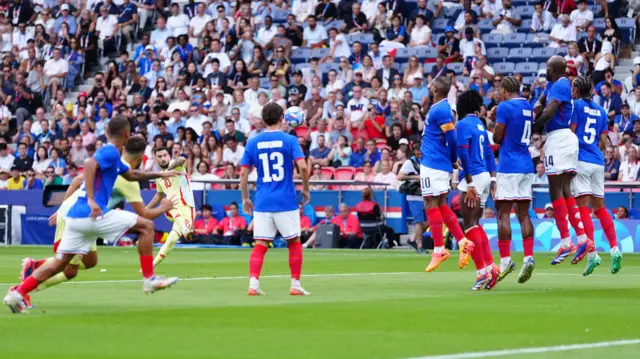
(593, 259)
(145, 229)
(168, 245)
(417, 210)
(288, 224)
(440, 254)
(451, 221)
(556, 192)
(504, 238)
(264, 231)
(526, 228)
(182, 228)
(472, 228)
(310, 243)
(609, 229)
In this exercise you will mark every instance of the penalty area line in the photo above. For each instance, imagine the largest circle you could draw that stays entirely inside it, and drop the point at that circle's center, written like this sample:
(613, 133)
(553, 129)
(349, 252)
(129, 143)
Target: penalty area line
(521, 351)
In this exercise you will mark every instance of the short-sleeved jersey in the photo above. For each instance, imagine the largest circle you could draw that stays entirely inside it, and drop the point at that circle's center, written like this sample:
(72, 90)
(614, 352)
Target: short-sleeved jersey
(472, 134)
(177, 186)
(273, 154)
(124, 190)
(110, 166)
(434, 147)
(516, 117)
(560, 91)
(591, 121)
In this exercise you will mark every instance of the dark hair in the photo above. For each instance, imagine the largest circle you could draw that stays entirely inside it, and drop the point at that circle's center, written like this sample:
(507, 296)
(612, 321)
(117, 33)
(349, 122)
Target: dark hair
(72, 166)
(228, 138)
(206, 207)
(584, 86)
(135, 145)
(510, 84)
(160, 149)
(234, 203)
(469, 102)
(272, 113)
(396, 125)
(118, 126)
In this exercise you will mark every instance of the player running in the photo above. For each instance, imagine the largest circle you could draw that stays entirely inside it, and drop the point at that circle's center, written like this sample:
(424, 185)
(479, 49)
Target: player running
(276, 211)
(182, 215)
(589, 122)
(477, 183)
(123, 190)
(436, 165)
(560, 156)
(90, 218)
(514, 118)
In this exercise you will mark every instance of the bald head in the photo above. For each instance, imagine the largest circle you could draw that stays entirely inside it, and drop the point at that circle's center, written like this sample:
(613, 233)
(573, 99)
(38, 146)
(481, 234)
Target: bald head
(556, 67)
(441, 86)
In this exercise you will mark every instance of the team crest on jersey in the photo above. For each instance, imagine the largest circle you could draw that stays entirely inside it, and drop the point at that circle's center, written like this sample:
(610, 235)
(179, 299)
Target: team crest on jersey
(480, 127)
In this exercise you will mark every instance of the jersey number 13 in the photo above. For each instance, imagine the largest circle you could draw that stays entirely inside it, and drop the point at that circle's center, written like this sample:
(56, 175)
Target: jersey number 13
(272, 167)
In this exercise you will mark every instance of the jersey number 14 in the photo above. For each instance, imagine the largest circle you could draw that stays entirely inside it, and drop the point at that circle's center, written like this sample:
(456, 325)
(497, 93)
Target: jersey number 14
(272, 167)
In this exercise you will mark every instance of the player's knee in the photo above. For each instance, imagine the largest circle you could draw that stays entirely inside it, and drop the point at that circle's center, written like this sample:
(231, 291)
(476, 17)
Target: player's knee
(144, 225)
(71, 271)
(260, 242)
(523, 216)
(90, 261)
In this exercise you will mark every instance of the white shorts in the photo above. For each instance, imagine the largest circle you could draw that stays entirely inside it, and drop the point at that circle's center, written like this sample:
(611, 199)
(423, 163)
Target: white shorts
(434, 182)
(514, 186)
(561, 152)
(482, 182)
(81, 233)
(589, 180)
(267, 224)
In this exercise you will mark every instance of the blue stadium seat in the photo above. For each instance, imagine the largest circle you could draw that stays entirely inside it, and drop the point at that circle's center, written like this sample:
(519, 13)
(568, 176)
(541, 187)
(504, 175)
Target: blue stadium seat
(496, 54)
(456, 66)
(525, 26)
(526, 11)
(402, 54)
(526, 68)
(265, 82)
(514, 40)
(528, 80)
(301, 54)
(329, 66)
(598, 23)
(628, 28)
(403, 67)
(485, 25)
(542, 54)
(218, 212)
(520, 53)
(562, 51)
(436, 37)
(425, 53)
(533, 40)
(542, 66)
(320, 53)
(300, 66)
(338, 24)
(396, 66)
(492, 39)
(465, 80)
(280, 16)
(504, 67)
(438, 25)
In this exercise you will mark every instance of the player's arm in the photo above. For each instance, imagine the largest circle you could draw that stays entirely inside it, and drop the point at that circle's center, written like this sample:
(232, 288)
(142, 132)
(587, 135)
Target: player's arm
(176, 162)
(247, 206)
(153, 212)
(539, 106)
(137, 176)
(75, 184)
(155, 201)
(501, 121)
(304, 175)
(449, 131)
(89, 172)
(490, 162)
(547, 114)
(463, 152)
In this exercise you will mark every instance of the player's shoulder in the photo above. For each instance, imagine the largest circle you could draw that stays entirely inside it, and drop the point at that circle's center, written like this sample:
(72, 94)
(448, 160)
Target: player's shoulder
(108, 151)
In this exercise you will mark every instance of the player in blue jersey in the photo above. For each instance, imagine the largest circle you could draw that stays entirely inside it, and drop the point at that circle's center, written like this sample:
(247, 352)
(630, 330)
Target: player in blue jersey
(553, 113)
(90, 218)
(589, 122)
(273, 153)
(476, 184)
(514, 118)
(438, 160)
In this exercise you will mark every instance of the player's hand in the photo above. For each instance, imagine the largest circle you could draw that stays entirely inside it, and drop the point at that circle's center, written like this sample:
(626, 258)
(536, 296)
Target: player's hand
(455, 165)
(493, 190)
(306, 198)
(95, 210)
(167, 204)
(247, 206)
(52, 219)
(471, 198)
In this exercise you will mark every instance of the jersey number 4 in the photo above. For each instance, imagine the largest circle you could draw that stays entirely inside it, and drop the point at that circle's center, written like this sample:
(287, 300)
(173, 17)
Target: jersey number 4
(272, 167)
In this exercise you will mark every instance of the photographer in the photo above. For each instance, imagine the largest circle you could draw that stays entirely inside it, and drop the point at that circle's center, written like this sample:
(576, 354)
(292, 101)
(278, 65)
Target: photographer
(410, 174)
(373, 123)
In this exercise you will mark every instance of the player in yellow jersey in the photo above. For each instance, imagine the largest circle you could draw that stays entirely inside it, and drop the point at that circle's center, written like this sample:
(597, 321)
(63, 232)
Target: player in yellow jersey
(123, 190)
(182, 215)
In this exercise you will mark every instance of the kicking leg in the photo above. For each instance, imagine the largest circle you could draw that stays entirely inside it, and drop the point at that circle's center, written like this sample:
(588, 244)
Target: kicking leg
(440, 254)
(504, 238)
(526, 228)
(151, 282)
(71, 270)
(167, 247)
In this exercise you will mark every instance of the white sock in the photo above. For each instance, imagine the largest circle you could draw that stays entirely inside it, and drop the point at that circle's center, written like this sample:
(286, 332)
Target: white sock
(613, 250)
(295, 283)
(254, 283)
(591, 255)
(480, 272)
(527, 258)
(565, 242)
(582, 238)
(504, 262)
(438, 250)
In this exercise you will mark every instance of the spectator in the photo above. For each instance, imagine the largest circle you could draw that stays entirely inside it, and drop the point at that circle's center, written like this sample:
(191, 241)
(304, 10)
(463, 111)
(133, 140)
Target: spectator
(589, 48)
(372, 155)
(624, 121)
(78, 152)
(4, 178)
(314, 35)
(622, 213)
(634, 99)
(625, 144)
(489, 213)
(16, 182)
(540, 177)
(630, 168)
(468, 43)
(326, 11)
(31, 181)
(611, 165)
(230, 173)
(449, 45)
(42, 161)
(358, 155)
(419, 91)
(206, 225)
(386, 176)
(313, 107)
(612, 34)
(615, 85)
(23, 162)
(356, 21)
(234, 151)
(306, 228)
(320, 155)
(548, 211)
(73, 173)
(367, 175)
(6, 158)
(420, 34)
(542, 20)
(232, 226)
(317, 175)
(341, 154)
(562, 33)
(350, 232)
(582, 17)
(610, 101)
(507, 20)
(574, 60)
(636, 132)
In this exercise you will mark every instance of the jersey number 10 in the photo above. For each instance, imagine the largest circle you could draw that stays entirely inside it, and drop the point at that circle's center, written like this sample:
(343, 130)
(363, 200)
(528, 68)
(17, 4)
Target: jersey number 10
(272, 167)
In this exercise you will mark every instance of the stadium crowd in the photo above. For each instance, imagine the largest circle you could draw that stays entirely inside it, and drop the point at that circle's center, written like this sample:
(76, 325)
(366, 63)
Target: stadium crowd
(194, 76)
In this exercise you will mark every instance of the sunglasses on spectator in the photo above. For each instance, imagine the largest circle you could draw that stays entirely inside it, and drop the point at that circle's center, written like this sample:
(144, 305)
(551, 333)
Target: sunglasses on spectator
(279, 51)
(316, 168)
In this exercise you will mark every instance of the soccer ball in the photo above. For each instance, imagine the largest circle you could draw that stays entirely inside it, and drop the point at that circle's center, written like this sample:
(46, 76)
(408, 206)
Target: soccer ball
(294, 116)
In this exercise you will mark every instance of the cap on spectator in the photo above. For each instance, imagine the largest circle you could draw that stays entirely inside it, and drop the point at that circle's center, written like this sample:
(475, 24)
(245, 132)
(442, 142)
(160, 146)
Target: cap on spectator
(297, 72)
(293, 91)
(358, 71)
(636, 60)
(625, 105)
(64, 7)
(548, 206)
(526, 88)
(418, 76)
(449, 29)
(46, 139)
(403, 141)
(149, 48)
(82, 94)
(206, 104)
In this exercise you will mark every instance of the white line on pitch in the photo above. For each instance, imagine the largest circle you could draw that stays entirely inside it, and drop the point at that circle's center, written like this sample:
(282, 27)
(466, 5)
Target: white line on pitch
(520, 351)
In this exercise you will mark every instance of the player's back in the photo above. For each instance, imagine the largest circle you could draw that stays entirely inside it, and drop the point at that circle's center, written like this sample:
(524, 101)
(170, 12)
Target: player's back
(179, 186)
(473, 135)
(434, 148)
(273, 154)
(591, 121)
(560, 91)
(516, 117)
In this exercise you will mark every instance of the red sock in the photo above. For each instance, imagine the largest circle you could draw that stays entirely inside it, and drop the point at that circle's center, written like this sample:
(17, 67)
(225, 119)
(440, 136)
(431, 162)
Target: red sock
(257, 259)
(574, 216)
(435, 226)
(29, 285)
(477, 255)
(295, 259)
(587, 222)
(527, 245)
(607, 226)
(146, 264)
(505, 248)
(486, 247)
(451, 220)
(39, 263)
(561, 214)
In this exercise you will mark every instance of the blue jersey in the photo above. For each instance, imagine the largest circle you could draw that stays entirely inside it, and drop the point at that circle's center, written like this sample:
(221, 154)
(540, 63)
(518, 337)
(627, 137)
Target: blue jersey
(560, 91)
(472, 135)
(434, 147)
(273, 154)
(110, 166)
(516, 117)
(591, 121)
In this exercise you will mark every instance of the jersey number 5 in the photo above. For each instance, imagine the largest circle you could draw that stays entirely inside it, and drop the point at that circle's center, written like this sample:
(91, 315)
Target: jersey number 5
(272, 167)
(589, 131)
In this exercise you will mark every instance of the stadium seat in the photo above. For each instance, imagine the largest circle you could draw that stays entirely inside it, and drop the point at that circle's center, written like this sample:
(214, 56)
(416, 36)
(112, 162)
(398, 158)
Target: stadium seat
(362, 38)
(328, 172)
(496, 54)
(381, 145)
(300, 66)
(219, 172)
(344, 173)
(628, 28)
(492, 39)
(562, 51)
(302, 131)
(402, 54)
(525, 26)
(520, 54)
(218, 212)
(358, 170)
(320, 53)
(280, 16)
(456, 66)
(598, 23)
(527, 68)
(426, 53)
(514, 40)
(485, 25)
(301, 54)
(504, 67)
(438, 25)
(528, 80)
(533, 40)
(542, 54)
(526, 11)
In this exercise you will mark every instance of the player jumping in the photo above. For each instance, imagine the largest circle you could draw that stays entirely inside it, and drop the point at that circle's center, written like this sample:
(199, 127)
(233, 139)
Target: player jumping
(90, 218)
(590, 123)
(273, 154)
(436, 165)
(514, 118)
(561, 157)
(477, 183)
(181, 215)
(123, 191)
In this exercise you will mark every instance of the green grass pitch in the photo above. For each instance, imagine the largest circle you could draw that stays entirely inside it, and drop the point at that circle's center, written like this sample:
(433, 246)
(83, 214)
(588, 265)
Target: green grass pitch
(365, 305)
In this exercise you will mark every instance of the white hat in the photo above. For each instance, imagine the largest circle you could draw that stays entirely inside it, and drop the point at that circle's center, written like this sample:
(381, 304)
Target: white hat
(636, 60)
(64, 7)
(548, 206)
(418, 76)
(149, 48)
(403, 141)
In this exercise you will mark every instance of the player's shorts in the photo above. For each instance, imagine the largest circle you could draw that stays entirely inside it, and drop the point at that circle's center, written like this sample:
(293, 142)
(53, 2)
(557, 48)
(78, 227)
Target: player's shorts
(60, 226)
(183, 219)
(267, 224)
(434, 182)
(482, 182)
(514, 186)
(560, 152)
(589, 180)
(80, 234)
(417, 211)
